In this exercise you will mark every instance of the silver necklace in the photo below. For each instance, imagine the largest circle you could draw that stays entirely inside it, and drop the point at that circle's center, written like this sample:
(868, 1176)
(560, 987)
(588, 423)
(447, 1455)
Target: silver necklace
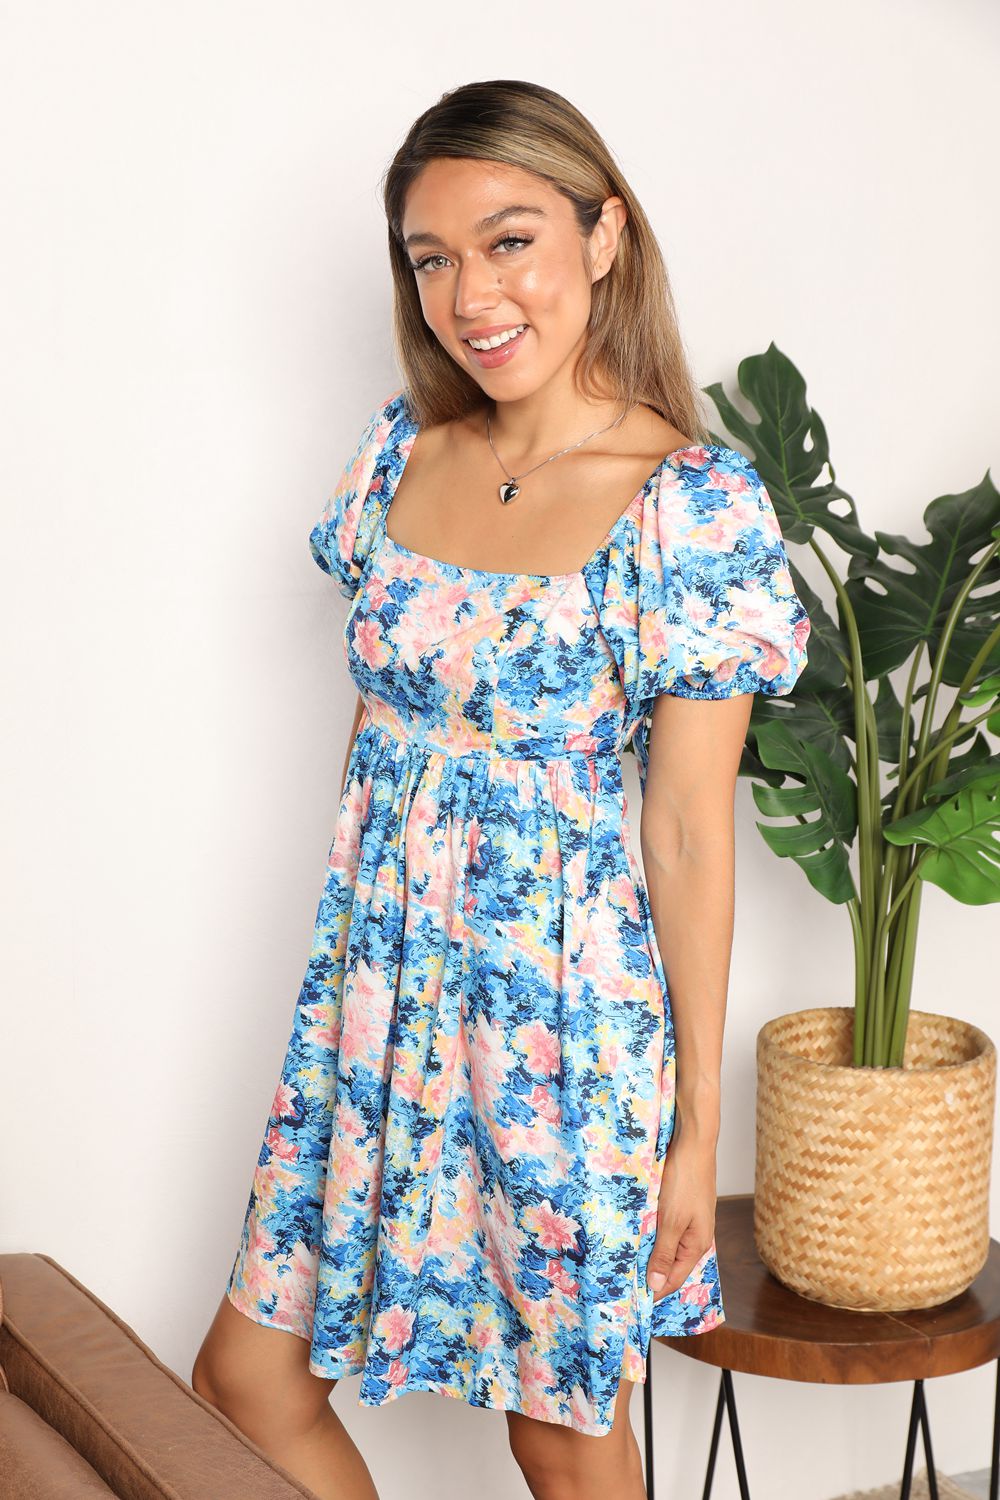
(510, 487)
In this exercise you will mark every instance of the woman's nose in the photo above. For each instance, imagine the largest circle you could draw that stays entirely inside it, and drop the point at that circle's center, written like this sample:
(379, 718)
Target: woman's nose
(476, 288)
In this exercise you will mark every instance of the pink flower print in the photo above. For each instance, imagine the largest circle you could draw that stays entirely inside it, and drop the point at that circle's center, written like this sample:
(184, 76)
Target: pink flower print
(501, 1229)
(698, 1293)
(394, 1326)
(565, 620)
(552, 1229)
(534, 1371)
(655, 638)
(581, 740)
(608, 1158)
(518, 1141)
(545, 1105)
(284, 1104)
(437, 1092)
(378, 594)
(713, 1316)
(484, 1337)
(327, 1035)
(541, 1047)
(362, 1036)
(260, 1243)
(397, 1374)
(584, 1417)
(724, 479)
(368, 643)
(415, 636)
(491, 1061)
(540, 1406)
(560, 1277)
(407, 1085)
(601, 939)
(281, 1146)
(697, 609)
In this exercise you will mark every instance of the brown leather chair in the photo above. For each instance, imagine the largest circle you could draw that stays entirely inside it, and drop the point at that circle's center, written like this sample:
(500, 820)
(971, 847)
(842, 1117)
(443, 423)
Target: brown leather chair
(88, 1411)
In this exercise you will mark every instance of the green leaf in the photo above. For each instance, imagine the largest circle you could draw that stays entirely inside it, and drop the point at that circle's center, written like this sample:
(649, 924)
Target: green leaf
(820, 846)
(788, 468)
(901, 609)
(978, 764)
(983, 692)
(987, 691)
(962, 853)
(824, 719)
(829, 652)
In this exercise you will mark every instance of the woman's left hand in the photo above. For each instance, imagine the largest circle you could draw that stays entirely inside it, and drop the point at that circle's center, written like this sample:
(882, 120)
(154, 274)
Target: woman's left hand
(685, 1226)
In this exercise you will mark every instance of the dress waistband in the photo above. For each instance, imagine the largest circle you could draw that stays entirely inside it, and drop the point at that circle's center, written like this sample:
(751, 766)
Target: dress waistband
(570, 747)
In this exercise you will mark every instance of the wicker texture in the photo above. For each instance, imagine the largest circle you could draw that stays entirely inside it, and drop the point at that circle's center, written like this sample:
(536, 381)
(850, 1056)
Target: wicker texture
(947, 1489)
(871, 1186)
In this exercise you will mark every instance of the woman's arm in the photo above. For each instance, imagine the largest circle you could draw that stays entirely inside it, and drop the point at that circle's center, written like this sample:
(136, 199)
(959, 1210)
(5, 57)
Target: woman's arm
(686, 835)
(359, 709)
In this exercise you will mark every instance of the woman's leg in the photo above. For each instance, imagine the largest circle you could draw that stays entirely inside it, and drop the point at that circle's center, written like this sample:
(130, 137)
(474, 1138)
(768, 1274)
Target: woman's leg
(560, 1464)
(259, 1378)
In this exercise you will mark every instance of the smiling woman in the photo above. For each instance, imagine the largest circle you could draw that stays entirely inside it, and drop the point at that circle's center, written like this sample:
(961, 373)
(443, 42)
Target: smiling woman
(489, 1169)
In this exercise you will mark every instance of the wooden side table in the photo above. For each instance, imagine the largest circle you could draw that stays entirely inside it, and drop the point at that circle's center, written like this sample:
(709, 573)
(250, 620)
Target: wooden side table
(771, 1330)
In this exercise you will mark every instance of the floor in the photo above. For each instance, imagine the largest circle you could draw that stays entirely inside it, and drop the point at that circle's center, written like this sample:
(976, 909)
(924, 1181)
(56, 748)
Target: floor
(977, 1483)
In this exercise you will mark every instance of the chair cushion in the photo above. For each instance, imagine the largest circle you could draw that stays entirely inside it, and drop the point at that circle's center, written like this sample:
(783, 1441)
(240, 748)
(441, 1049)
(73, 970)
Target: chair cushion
(36, 1463)
(85, 1373)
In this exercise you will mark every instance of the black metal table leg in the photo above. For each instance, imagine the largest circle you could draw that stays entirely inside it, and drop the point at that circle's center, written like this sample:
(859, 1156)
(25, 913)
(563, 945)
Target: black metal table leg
(647, 1421)
(925, 1428)
(918, 1420)
(995, 1456)
(727, 1399)
(714, 1445)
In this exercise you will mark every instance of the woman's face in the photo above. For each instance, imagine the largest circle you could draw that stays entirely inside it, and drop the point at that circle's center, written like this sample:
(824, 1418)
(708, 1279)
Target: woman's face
(494, 249)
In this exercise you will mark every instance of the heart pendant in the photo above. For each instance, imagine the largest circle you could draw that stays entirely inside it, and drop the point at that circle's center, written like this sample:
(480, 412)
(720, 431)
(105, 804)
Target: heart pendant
(508, 491)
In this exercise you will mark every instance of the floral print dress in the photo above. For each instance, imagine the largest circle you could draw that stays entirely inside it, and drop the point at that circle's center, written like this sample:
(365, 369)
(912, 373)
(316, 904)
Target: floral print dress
(457, 1187)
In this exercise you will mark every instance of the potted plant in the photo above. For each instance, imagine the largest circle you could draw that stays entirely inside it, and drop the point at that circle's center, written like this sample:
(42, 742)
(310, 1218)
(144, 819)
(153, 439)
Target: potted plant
(875, 1122)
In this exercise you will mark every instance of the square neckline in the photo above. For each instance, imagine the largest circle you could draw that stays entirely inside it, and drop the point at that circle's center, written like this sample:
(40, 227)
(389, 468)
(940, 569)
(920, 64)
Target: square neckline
(462, 569)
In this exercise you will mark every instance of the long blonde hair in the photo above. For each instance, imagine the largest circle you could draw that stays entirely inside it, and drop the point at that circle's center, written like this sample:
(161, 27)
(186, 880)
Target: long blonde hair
(633, 342)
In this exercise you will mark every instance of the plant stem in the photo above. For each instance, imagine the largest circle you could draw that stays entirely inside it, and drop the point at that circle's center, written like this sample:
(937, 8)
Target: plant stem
(942, 743)
(897, 1041)
(862, 712)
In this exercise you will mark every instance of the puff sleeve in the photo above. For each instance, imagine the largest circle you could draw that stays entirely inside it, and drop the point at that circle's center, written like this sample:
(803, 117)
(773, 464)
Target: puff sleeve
(717, 610)
(341, 538)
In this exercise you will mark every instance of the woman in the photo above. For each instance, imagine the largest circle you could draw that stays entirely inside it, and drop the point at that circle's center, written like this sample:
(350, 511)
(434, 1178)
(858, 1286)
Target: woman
(465, 1184)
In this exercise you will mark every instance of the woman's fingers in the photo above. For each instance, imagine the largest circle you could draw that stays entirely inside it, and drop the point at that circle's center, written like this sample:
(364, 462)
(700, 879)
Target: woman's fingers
(673, 1257)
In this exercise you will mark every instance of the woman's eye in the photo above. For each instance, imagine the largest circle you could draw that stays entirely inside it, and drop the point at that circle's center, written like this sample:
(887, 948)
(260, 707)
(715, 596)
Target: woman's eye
(512, 239)
(426, 263)
(421, 264)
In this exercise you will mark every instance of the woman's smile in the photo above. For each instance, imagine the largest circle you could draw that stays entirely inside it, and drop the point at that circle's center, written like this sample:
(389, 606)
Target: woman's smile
(489, 358)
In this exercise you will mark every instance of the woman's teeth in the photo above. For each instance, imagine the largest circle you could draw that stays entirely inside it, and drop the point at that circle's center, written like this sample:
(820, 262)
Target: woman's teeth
(498, 338)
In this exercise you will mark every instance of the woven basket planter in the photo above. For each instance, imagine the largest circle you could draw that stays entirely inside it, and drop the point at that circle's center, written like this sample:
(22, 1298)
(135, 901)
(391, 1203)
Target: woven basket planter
(872, 1185)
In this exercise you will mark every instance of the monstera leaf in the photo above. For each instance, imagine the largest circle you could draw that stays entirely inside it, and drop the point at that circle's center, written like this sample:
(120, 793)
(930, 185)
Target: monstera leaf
(777, 442)
(828, 649)
(908, 607)
(962, 838)
(820, 846)
(987, 691)
(978, 764)
(810, 754)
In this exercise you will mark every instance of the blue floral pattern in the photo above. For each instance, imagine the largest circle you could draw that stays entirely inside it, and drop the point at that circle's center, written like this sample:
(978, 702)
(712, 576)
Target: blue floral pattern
(457, 1188)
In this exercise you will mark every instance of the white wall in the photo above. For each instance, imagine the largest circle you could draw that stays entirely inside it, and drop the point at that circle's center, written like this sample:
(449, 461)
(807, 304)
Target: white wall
(195, 324)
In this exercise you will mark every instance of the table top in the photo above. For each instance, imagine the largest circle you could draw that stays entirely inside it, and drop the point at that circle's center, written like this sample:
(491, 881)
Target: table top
(771, 1330)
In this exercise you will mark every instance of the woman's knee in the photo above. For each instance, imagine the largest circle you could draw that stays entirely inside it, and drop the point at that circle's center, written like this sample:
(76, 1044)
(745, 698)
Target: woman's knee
(559, 1463)
(258, 1376)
